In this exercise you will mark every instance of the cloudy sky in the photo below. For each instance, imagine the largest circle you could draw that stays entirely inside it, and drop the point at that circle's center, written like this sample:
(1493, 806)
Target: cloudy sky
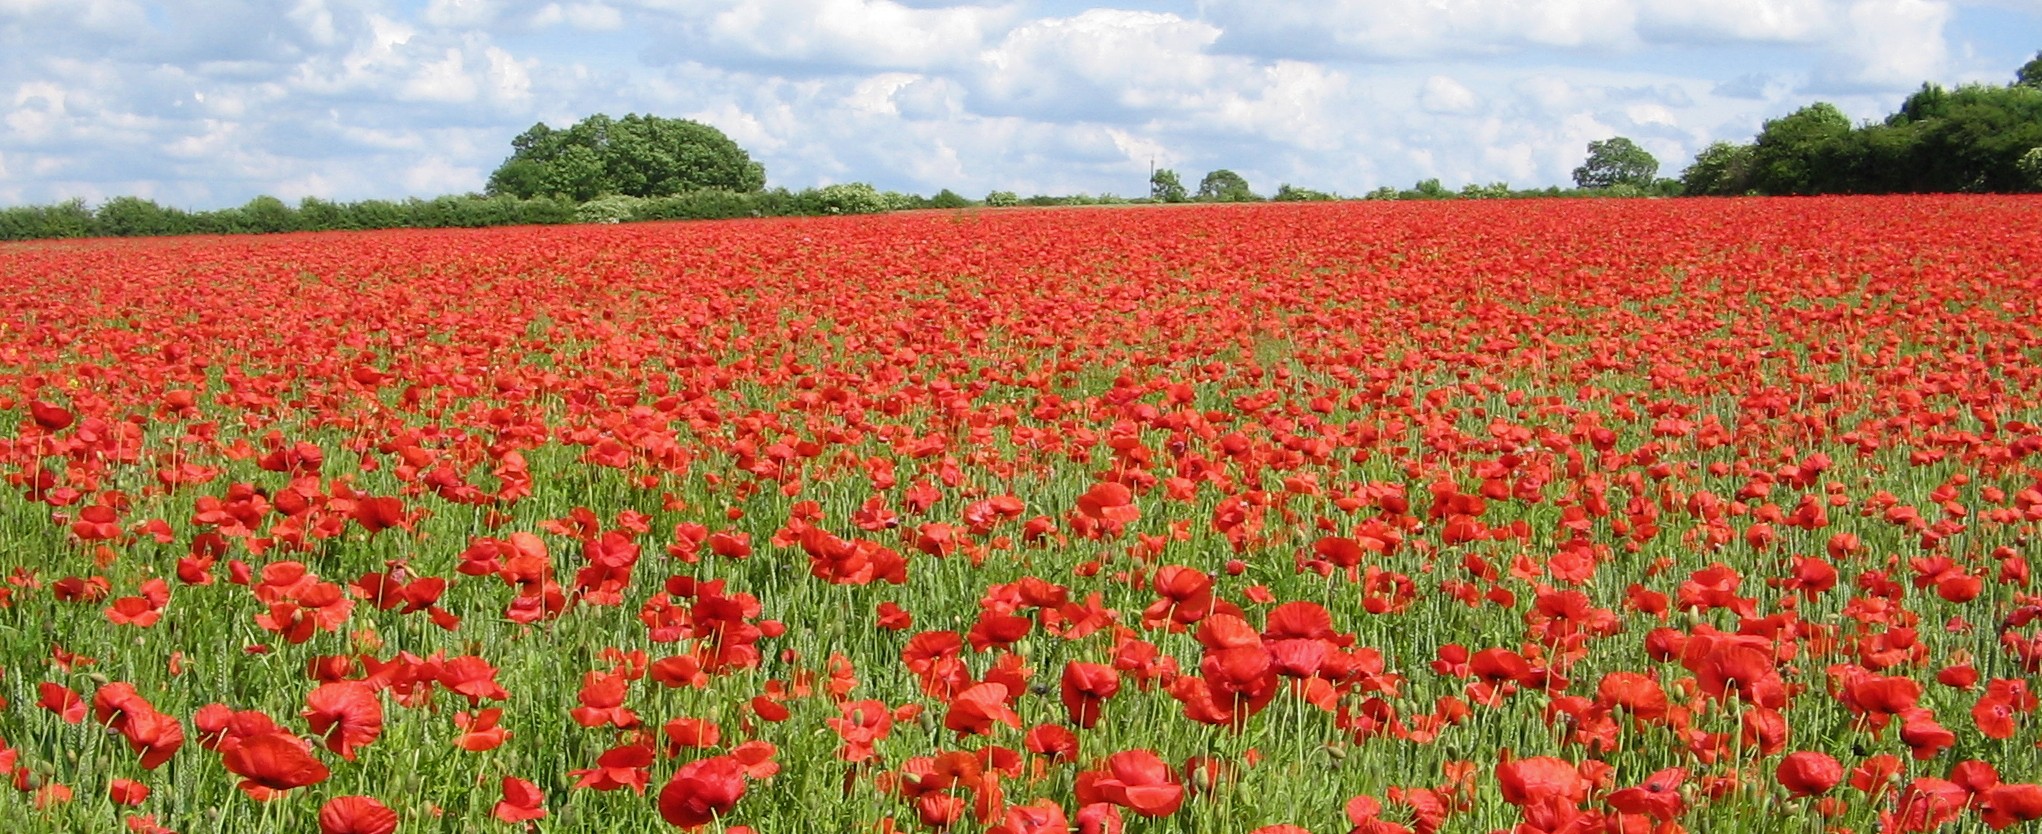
(206, 103)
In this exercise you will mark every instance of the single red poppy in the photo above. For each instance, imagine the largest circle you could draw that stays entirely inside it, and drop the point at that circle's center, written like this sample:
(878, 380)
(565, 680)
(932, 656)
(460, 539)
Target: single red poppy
(522, 801)
(1141, 781)
(1085, 688)
(271, 763)
(356, 815)
(348, 714)
(977, 709)
(702, 791)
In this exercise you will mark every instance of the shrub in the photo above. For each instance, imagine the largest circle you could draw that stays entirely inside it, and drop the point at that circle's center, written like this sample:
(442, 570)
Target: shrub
(615, 208)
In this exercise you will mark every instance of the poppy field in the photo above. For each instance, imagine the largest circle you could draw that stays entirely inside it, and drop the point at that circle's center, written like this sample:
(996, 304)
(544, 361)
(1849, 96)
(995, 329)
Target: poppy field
(1558, 516)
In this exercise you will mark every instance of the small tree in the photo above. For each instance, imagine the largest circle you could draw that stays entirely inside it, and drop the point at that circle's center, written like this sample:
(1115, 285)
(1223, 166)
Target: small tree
(1287, 193)
(1165, 187)
(1722, 169)
(268, 214)
(2030, 166)
(1225, 186)
(132, 216)
(1616, 161)
(2030, 74)
(639, 156)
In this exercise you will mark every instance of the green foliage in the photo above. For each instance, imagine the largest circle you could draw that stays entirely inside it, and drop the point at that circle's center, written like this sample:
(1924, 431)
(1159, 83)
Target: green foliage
(1616, 161)
(134, 217)
(1798, 153)
(615, 208)
(2030, 74)
(1165, 187)
(1971, 138)
(68, 219)
(1492, 191)
(947, 199)
(1003, 199)
(1287, 193)
(715, 204)
(1225, 186)
(268, 215)
(636, 156)
(2030, 166)
(1721, 169)
(314, 213)
(847, 198)
(1427, 189)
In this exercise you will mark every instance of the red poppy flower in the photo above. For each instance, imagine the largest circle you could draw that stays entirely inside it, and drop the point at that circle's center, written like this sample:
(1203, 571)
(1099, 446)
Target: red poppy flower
(356, 815)
(152, 735)
(2004, 805)
(1540, 779)
(1042, 816)
(602, 702)
(272, 763)
(127, 792)
(62, 700)
(702, 791)
(1084, 688)
(479, 730)
(1109, 502)
(1141, 781)
(1099, 818)
(977, 709)
(348, 714)
(473, 678)
(619, 767)
(522, 801)
(1659, 797)
(1808, 773)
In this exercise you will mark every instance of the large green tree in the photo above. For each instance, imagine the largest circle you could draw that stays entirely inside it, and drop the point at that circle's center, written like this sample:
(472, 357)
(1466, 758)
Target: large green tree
(1165, 187)
(1225, 186)
(2030, 74)
(1616, 161)
(1721, 169)
(637, 156)
(1799, 153)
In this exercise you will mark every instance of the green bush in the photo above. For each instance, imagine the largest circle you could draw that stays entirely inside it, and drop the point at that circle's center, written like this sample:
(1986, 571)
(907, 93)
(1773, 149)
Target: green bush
(615, 208)
(848, 198)
(2030, 166)
(948, 199)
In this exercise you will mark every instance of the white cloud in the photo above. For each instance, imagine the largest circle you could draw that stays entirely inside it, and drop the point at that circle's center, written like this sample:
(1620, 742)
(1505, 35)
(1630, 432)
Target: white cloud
(590, 17)
(509, 79)
(1445, 95)
(38, 110)
(1888, 44)
(438, 175)
(869, 34)
(217, 100)
(460, 13)
(1417, 29)
(1784, 21)
(1645, 113)
(445, 81)
(1106, 61)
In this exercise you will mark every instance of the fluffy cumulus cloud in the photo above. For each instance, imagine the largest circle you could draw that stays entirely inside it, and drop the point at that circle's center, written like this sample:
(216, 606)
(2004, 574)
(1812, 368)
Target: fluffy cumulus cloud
(210, 102)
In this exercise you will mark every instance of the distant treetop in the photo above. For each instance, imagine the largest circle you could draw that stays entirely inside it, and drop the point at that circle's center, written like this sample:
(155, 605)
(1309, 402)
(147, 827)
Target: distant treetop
(636, 156)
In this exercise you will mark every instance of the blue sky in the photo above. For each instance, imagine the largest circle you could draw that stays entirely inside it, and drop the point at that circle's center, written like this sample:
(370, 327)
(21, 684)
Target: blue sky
(206, 103)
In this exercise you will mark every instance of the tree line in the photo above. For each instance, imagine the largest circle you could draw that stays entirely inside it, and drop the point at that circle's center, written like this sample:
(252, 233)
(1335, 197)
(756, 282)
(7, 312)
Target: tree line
(1974, 138)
